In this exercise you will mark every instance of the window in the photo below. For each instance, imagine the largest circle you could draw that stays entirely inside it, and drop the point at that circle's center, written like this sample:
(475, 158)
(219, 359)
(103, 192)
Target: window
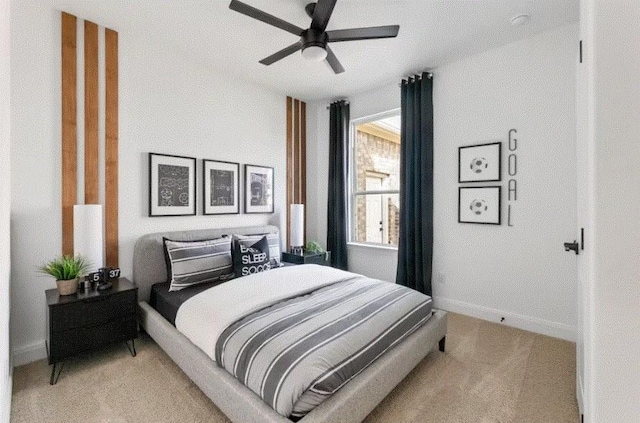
(375, 179)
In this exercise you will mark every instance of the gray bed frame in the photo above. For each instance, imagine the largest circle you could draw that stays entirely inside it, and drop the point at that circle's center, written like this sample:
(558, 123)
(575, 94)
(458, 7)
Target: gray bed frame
(351, 404)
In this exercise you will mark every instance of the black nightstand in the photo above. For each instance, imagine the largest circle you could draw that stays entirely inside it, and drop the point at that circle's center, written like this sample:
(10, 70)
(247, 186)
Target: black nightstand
(90, 319)
(308, 258)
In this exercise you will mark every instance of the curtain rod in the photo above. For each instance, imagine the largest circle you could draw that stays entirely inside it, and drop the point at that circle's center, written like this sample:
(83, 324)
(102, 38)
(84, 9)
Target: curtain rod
(337, 101)
(429, 75)
(416, 76)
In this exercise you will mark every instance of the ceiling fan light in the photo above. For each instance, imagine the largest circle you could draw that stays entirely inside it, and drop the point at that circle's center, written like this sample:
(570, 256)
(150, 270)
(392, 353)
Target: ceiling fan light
(315, 53)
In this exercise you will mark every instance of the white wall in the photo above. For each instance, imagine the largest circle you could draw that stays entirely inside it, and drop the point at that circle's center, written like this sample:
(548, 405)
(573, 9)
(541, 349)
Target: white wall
(5, 212)
(612, 297)
(521, 272)
(168, 104)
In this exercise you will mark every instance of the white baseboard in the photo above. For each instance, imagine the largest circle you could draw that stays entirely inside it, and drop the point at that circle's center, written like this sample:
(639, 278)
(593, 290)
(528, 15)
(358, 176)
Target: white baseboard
(29, 353)
(531, 324)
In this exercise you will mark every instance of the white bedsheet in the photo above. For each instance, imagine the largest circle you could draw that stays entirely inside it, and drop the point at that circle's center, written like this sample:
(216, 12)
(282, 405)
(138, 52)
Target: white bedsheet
(203, 317)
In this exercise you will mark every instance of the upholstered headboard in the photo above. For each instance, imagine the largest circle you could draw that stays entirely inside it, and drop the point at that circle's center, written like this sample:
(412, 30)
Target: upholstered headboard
(148, 255)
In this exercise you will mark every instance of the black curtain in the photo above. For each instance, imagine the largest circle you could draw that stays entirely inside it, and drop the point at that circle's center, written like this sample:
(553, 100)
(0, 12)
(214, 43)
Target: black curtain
(337, 204)
(415, 244)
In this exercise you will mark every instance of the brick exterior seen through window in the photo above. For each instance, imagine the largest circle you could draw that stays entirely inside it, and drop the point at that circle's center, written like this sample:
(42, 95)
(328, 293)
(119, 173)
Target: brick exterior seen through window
(377, 160)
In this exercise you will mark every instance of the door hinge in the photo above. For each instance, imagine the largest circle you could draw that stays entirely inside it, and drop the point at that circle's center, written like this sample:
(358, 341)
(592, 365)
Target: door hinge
(580, 51)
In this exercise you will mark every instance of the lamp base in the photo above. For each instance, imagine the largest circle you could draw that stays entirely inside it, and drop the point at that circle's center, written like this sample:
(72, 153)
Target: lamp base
(296, 250)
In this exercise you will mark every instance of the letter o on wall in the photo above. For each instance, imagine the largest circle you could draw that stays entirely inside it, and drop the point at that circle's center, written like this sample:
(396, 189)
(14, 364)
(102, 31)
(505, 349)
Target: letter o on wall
(513, 165)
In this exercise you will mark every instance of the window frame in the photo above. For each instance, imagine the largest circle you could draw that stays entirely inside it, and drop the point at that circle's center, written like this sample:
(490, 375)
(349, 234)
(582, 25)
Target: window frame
(352, 192)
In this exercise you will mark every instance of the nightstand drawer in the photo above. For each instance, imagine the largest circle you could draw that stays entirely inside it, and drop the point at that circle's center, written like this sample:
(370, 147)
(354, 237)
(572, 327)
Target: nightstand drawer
(68, 343)
(92, 312)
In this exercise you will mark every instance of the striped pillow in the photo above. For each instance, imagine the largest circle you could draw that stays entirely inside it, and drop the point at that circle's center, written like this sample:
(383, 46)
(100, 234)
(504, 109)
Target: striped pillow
(193, 262)
(274, 245)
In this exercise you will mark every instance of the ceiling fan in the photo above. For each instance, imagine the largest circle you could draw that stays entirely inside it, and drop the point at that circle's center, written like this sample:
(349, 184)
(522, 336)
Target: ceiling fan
(314, 40)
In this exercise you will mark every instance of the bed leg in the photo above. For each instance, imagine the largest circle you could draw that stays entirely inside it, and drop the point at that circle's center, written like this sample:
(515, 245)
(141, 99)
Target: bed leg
(441, 343)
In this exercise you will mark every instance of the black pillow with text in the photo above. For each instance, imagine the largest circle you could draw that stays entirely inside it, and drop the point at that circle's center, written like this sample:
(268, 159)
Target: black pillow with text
(250, 257)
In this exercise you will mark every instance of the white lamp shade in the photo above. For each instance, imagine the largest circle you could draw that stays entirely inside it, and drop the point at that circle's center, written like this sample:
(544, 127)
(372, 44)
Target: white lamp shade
(296, 222)
(88, 237)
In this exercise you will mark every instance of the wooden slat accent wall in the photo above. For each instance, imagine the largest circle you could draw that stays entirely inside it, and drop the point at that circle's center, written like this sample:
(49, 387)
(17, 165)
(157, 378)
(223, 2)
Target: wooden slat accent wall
(69, 130)
(296, 152)
(111, 147)
(289, 165)
(296, 157)
(303, 162)
(91, 130)
(91, 193)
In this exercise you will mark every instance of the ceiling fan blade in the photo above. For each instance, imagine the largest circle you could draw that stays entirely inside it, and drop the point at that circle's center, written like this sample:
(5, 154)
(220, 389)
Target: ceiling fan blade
(369, 33)
(334, 62)
(281, 54)
(322, 13)
(258, 14)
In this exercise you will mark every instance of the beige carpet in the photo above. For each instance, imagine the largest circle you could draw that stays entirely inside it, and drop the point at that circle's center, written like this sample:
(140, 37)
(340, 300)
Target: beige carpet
(489, 374)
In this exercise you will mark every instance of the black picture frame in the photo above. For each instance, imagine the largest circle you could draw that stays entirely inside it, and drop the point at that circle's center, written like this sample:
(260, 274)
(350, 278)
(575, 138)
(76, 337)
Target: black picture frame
(209, 209)
(258, 191)
(158, 208)
(487, 149)
(497, 194)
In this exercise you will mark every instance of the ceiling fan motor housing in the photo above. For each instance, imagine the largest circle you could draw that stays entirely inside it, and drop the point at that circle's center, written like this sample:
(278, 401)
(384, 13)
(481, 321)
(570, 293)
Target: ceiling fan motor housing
(309, 9)
(312, 37)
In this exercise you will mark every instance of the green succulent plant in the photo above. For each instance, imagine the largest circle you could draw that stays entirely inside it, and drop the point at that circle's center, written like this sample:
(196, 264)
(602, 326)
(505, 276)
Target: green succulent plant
(314, 247)
(65, 267)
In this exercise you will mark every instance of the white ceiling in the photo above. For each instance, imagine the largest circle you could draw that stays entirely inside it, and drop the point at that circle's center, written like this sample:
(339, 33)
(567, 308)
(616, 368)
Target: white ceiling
(432, 33)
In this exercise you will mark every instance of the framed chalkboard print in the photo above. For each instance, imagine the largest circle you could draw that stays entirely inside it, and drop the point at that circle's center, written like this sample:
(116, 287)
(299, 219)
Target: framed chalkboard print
(221, 183)
(480, 163)
(258, 189)
(172, 185)
(479, 205)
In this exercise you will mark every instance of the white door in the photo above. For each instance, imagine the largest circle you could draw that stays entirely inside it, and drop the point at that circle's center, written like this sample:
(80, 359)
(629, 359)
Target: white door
(582, 165)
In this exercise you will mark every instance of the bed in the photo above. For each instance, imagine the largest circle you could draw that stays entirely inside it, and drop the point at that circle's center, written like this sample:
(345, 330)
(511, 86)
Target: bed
(351, 403)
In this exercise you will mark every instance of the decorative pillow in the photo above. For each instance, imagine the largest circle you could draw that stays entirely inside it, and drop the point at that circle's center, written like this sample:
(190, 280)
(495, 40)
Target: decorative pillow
(250, 257)
(274, 246)
(193, 262)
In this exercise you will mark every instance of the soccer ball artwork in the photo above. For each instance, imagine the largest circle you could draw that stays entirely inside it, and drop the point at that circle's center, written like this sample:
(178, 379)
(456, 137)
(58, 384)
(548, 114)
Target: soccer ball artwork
(478, 207)
(479, 165)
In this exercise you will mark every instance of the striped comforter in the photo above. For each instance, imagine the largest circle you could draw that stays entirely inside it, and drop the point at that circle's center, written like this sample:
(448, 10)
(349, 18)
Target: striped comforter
(297, 352)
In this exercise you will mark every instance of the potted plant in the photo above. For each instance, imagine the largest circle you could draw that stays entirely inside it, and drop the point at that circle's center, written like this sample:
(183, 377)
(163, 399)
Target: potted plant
(315, 248)
(66, 270)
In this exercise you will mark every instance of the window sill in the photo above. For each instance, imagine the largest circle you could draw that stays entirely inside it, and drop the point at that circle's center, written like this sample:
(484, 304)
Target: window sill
(372, 246)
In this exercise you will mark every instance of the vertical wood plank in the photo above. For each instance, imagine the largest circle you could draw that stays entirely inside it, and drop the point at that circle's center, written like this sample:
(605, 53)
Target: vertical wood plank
(303, 163)
(289, 165)
(296, 157)
(296, 151)
(91, 166)
(69, 129)
(111, 147)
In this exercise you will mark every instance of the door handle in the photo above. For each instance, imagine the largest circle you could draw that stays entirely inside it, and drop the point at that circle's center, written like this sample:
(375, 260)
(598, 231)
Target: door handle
(572, 246)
